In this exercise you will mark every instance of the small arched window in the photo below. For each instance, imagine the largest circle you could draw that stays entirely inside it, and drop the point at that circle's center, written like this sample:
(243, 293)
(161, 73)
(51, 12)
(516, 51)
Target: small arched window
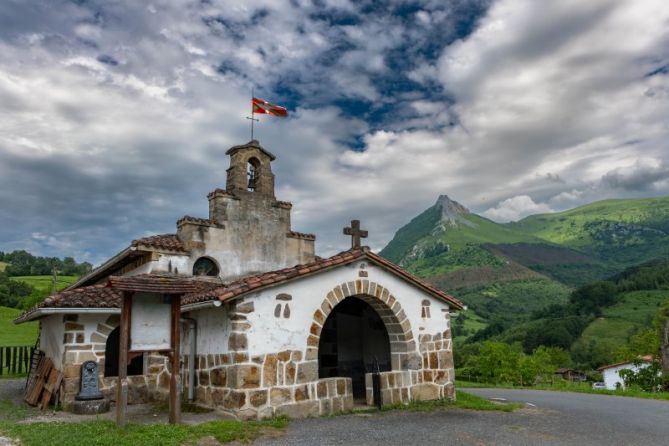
(204, 266)
(253, 172)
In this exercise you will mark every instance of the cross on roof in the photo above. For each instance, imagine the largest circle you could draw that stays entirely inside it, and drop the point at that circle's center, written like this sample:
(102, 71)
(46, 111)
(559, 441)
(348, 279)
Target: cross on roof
(356, 233)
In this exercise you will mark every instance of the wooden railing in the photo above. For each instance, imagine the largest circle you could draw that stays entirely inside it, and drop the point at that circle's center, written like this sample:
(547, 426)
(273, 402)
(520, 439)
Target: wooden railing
(15, 359)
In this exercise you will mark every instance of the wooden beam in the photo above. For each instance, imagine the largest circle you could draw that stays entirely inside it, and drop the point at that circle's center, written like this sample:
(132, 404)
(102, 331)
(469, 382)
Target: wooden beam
(175, 375)
(122, 381)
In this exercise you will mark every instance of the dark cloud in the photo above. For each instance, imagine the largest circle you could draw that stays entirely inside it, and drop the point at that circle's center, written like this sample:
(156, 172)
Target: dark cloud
(106, 59)
(117, 115)
(642, 176)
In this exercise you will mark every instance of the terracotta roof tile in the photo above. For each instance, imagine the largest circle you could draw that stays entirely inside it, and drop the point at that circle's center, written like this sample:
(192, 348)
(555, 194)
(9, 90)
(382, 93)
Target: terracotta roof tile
(206, 290)
(168, 242)
(301, 235)
(162, 284)
(196, 220)
(245, 284)
(96, 296)
(104, 296)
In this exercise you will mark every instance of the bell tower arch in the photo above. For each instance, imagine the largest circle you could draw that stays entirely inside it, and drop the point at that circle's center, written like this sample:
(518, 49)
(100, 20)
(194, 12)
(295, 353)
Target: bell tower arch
(250, 170)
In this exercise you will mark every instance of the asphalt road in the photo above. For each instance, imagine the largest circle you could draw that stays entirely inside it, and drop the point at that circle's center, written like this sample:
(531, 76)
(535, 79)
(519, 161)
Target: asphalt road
(552, 418)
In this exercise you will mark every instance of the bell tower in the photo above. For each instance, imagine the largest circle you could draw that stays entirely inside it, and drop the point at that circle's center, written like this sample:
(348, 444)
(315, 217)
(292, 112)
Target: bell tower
(248, 229)
(250, 170)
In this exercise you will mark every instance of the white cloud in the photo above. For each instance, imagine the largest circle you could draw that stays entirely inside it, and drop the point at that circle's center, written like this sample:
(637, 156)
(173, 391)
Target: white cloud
(515, 208)
(545, 100)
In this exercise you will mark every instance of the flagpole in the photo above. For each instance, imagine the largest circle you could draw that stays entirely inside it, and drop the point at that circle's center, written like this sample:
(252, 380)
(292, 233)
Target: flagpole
(252, 112)
(252, 117)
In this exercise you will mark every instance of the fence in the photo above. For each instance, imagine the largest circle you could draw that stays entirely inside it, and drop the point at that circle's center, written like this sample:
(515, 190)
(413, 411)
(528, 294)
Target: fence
(15, 359)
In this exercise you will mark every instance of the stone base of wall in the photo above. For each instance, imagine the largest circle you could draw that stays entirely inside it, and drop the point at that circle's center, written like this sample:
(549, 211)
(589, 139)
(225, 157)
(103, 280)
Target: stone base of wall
(402, 387)
(283, 383)
(325, 396)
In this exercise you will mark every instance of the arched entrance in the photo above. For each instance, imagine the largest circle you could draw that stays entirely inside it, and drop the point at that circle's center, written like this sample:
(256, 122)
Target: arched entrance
(135, 366)
(353, 338)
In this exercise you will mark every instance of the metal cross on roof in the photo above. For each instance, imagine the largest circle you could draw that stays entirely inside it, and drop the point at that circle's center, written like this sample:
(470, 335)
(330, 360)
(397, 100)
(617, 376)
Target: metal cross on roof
(356, 233)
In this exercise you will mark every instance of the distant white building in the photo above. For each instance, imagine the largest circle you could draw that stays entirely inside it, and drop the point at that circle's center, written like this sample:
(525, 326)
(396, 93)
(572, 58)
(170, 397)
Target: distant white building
(612, 378)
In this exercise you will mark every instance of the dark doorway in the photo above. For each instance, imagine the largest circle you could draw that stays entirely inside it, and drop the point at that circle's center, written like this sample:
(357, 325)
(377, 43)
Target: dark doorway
(352, 338)
(135, 367)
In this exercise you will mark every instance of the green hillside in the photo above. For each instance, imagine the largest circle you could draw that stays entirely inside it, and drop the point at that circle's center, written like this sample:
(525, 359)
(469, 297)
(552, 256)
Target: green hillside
(446, 238)
(512, 301)
(507, 272)
(633, 313)
(619, 232)
(12, 334)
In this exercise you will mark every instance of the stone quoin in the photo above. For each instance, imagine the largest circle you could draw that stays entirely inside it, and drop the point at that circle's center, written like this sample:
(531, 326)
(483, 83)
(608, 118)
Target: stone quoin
(271, 329)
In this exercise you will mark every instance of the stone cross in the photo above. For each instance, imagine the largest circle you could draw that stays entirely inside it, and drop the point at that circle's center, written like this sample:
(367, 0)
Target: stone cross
(356, 233)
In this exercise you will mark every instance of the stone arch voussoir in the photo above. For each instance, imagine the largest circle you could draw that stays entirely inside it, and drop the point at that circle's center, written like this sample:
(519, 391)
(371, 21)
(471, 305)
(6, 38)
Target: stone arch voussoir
(402, 342)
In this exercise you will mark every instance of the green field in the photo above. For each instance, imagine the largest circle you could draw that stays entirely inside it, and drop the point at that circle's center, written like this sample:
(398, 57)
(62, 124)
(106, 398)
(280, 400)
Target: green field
(26, 334)
(42, 284)
(12, 334)
(3, 265)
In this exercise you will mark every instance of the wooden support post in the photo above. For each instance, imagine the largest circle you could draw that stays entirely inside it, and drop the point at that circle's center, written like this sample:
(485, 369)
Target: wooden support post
(122, 381)
(175, 375)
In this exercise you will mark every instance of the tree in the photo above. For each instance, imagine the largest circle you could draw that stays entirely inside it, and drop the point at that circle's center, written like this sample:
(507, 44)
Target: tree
(645, 342)
(13, 292)
(648, 378)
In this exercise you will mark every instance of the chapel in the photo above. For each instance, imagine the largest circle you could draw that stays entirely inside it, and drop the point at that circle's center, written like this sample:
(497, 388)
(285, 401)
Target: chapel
(267, 327)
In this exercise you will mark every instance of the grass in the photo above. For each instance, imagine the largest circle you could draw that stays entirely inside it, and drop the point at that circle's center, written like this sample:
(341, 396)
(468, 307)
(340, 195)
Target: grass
(463, 400)
(565, 386)
(468, 401)
(3, 266)
(106, 433)
(42, 284)
(12, 334)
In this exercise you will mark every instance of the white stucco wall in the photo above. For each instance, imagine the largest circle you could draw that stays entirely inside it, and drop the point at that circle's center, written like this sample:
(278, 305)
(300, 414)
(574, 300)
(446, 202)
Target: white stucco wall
(270, 334)
(90, 323)
(178, 263)
(51, 339)
(213, 328)
(612, 377)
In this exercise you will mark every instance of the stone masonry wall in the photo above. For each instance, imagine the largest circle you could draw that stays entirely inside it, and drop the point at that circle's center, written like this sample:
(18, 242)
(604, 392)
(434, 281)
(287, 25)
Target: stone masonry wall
(80, 347)
(434, 381)
(273, 384)
(261, 386)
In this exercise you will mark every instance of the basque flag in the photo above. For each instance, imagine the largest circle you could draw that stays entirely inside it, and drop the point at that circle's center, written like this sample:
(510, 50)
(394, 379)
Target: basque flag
(262, 107)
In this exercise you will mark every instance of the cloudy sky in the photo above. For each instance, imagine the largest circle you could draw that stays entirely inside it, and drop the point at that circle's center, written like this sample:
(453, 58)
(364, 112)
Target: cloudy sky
(115, 116)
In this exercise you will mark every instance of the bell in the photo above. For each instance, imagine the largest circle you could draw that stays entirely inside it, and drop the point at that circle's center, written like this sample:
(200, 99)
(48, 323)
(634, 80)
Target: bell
(252, 183)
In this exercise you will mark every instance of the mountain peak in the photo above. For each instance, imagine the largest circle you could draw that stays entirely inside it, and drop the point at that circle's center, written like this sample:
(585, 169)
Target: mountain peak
(452, 212)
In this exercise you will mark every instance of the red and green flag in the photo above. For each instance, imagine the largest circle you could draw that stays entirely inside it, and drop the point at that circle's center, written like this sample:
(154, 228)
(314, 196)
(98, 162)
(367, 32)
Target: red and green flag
(263, 107)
